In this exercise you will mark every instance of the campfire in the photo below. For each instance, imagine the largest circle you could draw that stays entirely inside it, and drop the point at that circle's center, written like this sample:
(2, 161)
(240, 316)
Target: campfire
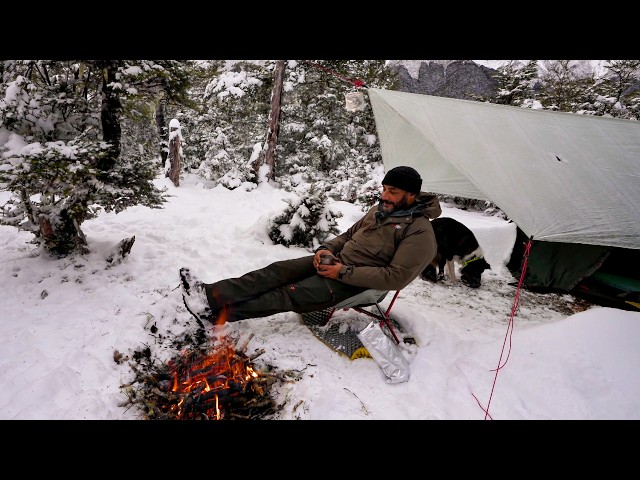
(215, 382)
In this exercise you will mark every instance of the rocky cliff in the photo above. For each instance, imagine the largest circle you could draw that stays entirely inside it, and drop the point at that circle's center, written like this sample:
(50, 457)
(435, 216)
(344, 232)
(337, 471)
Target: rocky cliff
(462, 79)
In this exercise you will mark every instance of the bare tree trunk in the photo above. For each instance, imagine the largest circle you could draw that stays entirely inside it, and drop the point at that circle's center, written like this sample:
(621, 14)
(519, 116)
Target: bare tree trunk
(274, 123)
(175, 160)
(110, 115)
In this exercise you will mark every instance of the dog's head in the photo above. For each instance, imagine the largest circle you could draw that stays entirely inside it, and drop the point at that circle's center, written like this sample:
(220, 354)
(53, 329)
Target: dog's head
(471, 271)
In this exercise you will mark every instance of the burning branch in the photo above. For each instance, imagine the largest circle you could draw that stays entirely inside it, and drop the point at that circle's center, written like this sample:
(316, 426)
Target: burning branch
(199, 383)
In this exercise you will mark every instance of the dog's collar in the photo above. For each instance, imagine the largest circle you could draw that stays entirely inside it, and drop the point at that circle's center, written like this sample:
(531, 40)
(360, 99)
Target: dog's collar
(467, 262)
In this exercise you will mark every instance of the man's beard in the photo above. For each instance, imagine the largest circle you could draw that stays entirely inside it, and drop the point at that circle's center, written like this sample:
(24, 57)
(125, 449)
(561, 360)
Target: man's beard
(389, 207)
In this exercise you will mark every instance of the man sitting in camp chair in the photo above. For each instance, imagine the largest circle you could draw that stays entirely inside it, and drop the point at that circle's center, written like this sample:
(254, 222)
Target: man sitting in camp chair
(386, 249)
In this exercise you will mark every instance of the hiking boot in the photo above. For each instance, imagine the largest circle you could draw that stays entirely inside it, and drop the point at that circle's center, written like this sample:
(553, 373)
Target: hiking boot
(195, 297)
(189, 282)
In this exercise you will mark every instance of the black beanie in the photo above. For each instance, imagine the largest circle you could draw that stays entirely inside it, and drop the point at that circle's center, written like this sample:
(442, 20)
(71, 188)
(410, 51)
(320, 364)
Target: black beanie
(405, 178)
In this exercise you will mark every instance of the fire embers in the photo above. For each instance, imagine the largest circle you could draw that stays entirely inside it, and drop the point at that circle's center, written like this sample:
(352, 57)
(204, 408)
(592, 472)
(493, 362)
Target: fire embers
(217, 385)
(204, 384)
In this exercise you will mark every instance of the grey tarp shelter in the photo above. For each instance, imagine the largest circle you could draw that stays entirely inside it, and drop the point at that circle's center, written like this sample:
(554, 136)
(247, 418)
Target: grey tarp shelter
(570, 182)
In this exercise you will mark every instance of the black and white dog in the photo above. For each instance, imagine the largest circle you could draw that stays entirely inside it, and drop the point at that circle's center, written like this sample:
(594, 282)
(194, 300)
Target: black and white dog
(456, 243)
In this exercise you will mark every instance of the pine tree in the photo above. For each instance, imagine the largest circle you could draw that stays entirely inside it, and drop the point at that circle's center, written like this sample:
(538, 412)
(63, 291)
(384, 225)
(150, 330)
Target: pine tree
(234, 123)
(307, 221)
(320, 140)
(516, 83)
(199, 122)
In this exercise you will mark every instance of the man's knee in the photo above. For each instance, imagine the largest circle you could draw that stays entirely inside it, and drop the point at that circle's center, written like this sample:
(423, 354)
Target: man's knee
(314, 290)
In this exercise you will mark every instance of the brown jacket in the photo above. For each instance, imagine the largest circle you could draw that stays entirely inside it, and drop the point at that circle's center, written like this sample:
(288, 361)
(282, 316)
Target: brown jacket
(389, 253)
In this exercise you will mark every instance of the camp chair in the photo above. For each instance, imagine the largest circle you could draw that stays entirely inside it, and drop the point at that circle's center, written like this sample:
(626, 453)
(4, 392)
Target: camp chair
(368, 298)
(346, 341)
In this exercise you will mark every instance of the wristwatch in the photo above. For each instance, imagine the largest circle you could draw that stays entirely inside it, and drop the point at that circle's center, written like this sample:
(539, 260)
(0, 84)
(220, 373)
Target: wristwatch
(343, 270)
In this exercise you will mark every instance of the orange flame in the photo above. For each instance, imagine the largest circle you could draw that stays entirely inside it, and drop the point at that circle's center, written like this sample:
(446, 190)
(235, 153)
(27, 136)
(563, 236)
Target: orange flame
(204, 378)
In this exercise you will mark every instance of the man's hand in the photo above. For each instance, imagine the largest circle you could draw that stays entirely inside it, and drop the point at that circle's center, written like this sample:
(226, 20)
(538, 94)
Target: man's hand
(318, 256)
(329, 271)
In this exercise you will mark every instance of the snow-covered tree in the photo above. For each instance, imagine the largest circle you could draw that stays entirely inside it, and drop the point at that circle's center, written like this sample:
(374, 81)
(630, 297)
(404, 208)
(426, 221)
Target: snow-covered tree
(617, 93)
(64, 155)
(517, 83)
(320, 140)
(237, 112)
(565, 84)
(307, 221)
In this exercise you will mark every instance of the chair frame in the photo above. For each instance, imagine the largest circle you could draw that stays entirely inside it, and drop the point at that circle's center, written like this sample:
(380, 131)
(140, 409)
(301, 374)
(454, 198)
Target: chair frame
(368, 298)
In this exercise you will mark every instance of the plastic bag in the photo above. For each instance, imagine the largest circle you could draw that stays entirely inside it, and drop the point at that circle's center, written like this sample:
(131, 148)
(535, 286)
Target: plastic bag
(385, 353)
(354, 101)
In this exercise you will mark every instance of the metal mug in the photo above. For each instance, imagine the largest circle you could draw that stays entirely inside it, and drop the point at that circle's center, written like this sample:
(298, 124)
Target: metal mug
(327, 259)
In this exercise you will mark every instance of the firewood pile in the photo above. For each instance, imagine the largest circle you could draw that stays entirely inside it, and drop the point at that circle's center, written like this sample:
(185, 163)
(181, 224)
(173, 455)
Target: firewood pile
(219, 382)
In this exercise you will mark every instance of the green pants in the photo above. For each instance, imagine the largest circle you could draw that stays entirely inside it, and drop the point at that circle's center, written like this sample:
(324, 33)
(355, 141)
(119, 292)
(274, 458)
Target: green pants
(284, 286)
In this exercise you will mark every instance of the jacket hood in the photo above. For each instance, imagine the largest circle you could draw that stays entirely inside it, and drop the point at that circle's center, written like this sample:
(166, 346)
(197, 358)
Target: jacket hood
(430, 205)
